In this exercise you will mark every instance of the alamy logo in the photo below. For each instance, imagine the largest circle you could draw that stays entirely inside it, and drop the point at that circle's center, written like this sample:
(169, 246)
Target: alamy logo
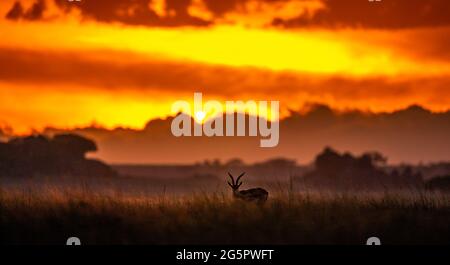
(260, 115)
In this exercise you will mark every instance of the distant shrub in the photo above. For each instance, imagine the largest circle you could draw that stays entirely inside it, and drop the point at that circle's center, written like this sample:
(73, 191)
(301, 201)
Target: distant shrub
(439, 183)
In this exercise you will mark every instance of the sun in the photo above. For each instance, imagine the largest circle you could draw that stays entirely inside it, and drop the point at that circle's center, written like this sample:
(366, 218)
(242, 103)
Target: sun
(200, 116)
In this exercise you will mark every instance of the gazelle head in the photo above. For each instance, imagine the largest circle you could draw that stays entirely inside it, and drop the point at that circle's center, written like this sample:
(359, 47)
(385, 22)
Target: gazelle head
(235, 184)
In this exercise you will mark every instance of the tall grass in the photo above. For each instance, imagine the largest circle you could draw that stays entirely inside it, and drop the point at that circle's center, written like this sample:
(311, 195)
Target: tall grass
(52, 215)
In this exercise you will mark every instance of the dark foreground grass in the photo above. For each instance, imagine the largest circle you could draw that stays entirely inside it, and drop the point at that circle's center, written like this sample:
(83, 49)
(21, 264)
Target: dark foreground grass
(53, 216)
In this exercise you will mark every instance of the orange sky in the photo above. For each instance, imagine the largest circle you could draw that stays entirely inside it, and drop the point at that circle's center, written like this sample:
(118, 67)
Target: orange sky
(120, 64)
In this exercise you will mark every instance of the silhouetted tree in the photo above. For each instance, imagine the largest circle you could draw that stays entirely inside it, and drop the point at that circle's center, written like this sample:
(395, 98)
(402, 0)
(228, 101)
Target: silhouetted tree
(74, 145)
(234, 163)
(335, 170)
(39, 155)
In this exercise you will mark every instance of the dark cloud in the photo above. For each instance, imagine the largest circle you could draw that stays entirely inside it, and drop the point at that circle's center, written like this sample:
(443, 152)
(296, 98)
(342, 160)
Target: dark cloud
(392, 14)
(16, 12)
(135, 12)
(35, 12)
(131, 12)
(219, 8)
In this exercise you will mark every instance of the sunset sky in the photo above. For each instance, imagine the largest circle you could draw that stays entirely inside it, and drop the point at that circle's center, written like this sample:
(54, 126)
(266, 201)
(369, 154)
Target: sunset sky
(123, 62)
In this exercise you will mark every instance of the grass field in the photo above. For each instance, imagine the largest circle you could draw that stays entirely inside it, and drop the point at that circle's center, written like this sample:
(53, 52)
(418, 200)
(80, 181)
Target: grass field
(52, 216)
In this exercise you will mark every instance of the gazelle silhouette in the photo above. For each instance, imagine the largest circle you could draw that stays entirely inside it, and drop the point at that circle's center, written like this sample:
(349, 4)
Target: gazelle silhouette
(258, 195)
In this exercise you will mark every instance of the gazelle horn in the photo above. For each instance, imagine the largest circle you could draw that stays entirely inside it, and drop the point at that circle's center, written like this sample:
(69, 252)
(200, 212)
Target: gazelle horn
(232, 179)
(238, 178)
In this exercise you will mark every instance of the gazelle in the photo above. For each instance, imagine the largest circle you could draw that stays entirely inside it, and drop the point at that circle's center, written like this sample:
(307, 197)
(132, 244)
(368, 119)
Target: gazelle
(258, 195)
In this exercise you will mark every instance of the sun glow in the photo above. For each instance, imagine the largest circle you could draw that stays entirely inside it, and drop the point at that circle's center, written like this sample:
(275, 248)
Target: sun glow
(200, 116)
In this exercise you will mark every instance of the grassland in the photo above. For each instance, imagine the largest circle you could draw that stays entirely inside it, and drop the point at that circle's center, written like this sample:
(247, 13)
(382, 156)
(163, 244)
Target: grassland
(53, 215)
